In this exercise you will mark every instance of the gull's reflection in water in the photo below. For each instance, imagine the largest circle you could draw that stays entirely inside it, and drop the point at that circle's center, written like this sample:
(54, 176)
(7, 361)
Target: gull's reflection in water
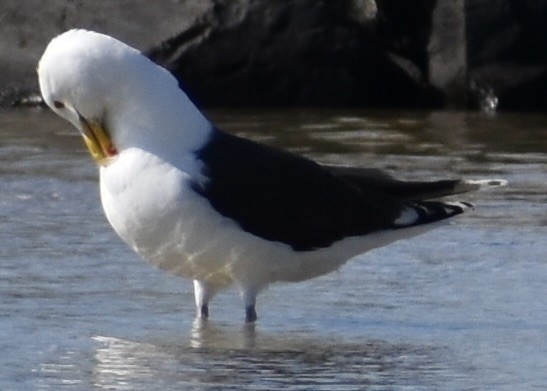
(231, 358)
(208, 355)
(205, 334)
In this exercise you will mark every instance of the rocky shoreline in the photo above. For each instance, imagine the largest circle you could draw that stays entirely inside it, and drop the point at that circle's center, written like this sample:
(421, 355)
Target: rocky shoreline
(481, 54)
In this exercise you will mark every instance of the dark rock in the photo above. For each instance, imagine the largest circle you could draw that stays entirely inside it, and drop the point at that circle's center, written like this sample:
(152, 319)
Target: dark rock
(447, 62)
(421, 54)
(289, 53)
(28, 25)
(528, 95)
(506, 53)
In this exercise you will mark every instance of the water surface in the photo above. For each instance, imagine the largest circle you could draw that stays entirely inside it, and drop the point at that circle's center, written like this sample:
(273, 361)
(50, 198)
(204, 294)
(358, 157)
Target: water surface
(459, 308)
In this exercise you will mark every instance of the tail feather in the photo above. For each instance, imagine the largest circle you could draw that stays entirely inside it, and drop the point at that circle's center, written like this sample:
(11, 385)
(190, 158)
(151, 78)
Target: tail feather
(425, 212)
(465, 186)
(367, 179)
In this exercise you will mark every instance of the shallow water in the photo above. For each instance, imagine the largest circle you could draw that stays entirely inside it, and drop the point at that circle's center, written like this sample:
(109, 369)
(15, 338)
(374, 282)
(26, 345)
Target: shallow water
(459, 308)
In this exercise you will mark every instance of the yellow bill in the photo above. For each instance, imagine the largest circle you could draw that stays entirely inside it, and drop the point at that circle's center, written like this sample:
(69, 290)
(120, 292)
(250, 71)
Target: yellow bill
(98, 141)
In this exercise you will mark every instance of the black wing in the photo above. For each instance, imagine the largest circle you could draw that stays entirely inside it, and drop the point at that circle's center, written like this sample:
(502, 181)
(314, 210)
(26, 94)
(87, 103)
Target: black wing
(283, 197)
(367, 178)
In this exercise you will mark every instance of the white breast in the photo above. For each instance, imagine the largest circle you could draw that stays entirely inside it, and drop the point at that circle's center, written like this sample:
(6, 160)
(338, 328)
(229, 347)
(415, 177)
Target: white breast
(152, 206)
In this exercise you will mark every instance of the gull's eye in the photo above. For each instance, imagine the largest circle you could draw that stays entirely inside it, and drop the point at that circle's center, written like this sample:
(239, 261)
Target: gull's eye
(58, 104)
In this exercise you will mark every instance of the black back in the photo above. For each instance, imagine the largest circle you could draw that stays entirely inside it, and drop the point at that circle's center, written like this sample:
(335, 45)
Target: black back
(279, 196)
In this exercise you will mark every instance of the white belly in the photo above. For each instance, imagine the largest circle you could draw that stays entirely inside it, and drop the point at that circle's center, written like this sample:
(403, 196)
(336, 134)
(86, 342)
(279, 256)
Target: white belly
(151, 205)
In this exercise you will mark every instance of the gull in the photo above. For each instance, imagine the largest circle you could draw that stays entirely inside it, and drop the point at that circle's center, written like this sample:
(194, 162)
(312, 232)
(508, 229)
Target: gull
(209, 206)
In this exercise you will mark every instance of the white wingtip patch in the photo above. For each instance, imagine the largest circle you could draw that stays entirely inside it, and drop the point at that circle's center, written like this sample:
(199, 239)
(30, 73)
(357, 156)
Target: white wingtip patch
(407, 217)
(486, 183)
(463, 205)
